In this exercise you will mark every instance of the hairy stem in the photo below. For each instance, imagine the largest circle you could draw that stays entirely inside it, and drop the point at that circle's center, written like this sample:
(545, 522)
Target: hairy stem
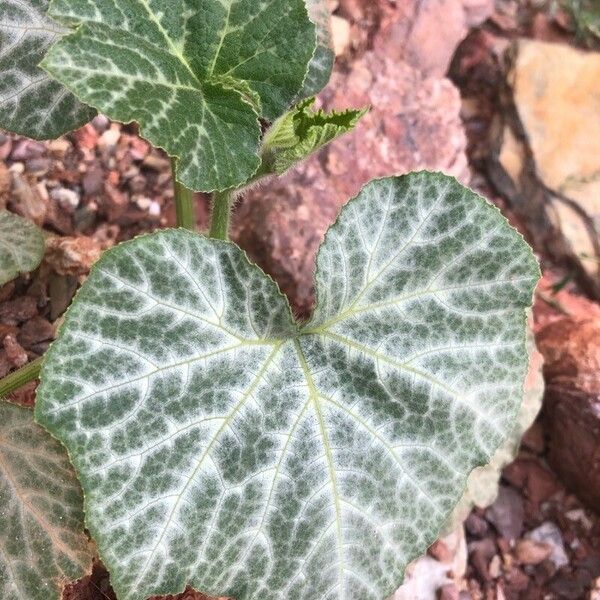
(184, 202)
(20, 377)
(221, 211)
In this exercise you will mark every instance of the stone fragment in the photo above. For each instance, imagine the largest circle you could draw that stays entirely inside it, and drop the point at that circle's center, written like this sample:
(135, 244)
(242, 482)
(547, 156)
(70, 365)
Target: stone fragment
(24, 149)
(18, 310)
(7, 330)
(15, 353)
(530, 552)
(550, 535)
(538, 483)
(481, 553)
(66, 198)
(34, 331)
(571, 348)
(93, 181)
(507, 514)
(426, 576)
(58, 148)
(495, 567)
(72, 255)
(109, 139)
(340, 32)
(26, 201)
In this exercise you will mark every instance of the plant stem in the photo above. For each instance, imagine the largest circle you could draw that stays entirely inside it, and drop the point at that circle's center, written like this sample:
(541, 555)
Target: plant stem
(184, 202)
(221, 210)
(20, 377)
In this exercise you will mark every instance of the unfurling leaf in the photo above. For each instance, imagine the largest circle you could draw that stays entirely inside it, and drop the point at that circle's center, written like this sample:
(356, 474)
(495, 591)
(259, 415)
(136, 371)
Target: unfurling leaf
(224, 445)
(321, 64)
(42, 543)
(191, 72)
(302, 131)
(31, 103)
(21, 246)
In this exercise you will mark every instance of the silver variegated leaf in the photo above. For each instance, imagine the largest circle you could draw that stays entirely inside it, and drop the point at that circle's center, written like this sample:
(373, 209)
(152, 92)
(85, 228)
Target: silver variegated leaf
(42, 543)
(31, 103)
(224, 445)
(195, 74)
(21, 246)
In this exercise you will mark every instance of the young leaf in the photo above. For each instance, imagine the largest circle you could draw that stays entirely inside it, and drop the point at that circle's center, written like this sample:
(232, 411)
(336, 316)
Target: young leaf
(21, 246)
(302, 131)
(191, 73)
(224, 445)
(42, 543)
(31, 103)
(321, 64)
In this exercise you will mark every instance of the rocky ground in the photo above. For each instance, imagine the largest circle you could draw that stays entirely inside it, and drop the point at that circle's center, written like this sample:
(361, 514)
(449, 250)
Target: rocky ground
(503, 100)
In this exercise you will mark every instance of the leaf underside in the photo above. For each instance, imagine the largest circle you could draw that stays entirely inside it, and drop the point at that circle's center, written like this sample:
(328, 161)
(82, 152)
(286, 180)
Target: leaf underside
(31, 103)
(42, 544)
(190, 72)
(223, 445)
(21, 246)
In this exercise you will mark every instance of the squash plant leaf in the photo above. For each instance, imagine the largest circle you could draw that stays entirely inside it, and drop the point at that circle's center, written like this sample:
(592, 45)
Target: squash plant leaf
(21, 246)
(191, 72)
(31, 103)
(42, 544)
(321, 64)
(222, 444)
(302, 131)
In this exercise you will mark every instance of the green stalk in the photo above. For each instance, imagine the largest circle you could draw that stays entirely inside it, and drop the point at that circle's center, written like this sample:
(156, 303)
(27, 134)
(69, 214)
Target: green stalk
(221, 211)
(184, 202)
(20, 377)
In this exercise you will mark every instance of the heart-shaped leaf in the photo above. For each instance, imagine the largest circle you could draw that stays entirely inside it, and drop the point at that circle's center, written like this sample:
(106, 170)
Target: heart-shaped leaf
(31, 103)
(191, 72)
(42, 544)
(222, 444)
(21, 246)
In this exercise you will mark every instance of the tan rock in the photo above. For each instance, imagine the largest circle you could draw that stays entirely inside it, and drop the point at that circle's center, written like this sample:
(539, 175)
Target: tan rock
(426, 576)
(72, 255)
(530, 552)
(555, 91)
(512, 155)
(340, 32)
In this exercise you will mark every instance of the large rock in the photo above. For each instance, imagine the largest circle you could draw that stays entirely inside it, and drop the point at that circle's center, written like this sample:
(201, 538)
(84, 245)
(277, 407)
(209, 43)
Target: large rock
(413, 123)
(548, 150)
(556, 90)
(571, 350)
(411, 34)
